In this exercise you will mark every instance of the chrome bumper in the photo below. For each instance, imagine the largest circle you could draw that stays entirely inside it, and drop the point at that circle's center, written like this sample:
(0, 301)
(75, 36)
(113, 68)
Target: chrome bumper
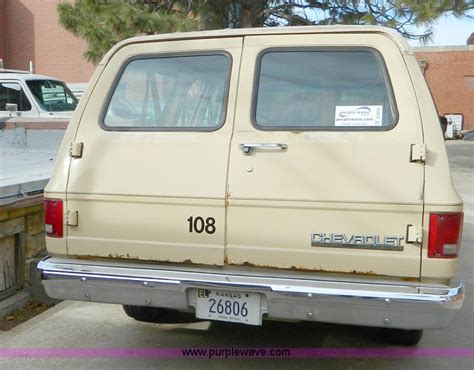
(403, 305)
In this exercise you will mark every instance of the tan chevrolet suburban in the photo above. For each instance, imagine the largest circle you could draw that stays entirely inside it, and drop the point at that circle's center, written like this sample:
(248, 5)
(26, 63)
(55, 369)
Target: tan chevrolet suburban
(241, 175)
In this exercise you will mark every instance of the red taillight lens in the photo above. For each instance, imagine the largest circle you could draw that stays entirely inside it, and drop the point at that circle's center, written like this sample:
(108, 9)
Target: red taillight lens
(53, 217)
(445, 235)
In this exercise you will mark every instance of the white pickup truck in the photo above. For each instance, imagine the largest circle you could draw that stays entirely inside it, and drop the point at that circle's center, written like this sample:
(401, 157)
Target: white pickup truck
(31, 96)
(243, 175)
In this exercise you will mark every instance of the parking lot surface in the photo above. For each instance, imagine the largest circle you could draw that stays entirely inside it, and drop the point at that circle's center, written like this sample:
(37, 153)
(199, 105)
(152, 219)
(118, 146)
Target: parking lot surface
(97, 336)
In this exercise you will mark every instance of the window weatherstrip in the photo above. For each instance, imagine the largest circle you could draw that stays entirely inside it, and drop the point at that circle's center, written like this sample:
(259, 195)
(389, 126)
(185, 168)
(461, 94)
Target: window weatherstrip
(119, 75)
(385, 74)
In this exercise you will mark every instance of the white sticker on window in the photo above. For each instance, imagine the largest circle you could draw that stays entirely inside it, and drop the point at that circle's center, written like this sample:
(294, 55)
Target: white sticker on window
(358, 115)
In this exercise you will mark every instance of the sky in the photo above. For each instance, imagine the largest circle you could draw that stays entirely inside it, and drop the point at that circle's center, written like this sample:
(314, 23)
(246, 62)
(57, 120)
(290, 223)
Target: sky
(449, 31)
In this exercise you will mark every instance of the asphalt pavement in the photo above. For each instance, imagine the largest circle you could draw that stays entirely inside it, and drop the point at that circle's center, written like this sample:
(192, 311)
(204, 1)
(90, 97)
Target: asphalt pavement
(76, 335)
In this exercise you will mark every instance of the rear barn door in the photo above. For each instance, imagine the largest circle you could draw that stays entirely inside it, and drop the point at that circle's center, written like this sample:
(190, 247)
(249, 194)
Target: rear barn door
(151, 182)
(320, 174)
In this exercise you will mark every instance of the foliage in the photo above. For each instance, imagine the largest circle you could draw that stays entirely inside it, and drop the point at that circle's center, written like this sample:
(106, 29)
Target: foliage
(403, 16)
(102, 23)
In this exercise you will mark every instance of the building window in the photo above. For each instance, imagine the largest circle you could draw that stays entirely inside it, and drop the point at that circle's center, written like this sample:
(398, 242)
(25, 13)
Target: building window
(470, 82)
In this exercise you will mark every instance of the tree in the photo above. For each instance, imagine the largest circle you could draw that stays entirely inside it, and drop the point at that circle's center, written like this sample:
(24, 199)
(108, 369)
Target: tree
(102, 23)
(403, 16)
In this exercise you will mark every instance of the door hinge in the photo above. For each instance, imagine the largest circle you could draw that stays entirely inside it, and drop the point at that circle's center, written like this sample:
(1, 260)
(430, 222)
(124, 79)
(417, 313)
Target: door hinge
(414, 234)
(418, 153)
(75, 150)
(72, 218)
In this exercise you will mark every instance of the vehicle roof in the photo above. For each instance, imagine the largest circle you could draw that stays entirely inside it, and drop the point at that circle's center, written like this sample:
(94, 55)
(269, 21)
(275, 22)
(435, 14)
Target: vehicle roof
(236, 32)
(23, 75)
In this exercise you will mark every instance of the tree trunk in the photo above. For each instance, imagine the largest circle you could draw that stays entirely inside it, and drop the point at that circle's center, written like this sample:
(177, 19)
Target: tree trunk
(251, 14)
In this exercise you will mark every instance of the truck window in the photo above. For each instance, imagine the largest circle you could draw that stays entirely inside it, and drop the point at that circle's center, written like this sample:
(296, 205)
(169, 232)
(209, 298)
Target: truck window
(52, 96)
(184, 92)
(12, 93)
(311, 89)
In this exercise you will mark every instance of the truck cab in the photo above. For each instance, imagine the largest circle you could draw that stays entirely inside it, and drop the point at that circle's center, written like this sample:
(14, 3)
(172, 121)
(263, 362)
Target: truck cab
(23, 94)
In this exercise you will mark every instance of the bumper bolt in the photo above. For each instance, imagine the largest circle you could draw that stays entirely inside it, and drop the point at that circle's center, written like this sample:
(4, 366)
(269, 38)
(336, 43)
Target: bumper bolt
(148, 301)
(387, 300)
(310, 315)
(87, 296)
(145, 283)
(83, 279)
(386, 321)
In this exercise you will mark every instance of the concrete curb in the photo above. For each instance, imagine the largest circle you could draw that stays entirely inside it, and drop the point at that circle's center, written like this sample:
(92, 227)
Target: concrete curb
(9, 305)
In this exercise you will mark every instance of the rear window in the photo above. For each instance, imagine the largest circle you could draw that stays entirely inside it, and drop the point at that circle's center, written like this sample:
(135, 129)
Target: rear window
(322, 90)
(52, 96)
(184, 92)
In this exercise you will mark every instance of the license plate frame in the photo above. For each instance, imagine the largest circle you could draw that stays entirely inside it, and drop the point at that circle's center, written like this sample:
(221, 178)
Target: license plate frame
(228, 305)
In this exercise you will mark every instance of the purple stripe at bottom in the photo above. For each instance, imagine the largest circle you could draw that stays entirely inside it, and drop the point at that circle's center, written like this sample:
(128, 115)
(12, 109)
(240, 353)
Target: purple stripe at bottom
(236, 353)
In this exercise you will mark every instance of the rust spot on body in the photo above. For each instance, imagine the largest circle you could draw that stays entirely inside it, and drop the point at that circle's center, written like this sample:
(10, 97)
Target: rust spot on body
(87, 258)
(246, 263)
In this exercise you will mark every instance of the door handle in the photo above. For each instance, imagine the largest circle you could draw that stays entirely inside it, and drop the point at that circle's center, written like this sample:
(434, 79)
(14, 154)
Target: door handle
(248, 148)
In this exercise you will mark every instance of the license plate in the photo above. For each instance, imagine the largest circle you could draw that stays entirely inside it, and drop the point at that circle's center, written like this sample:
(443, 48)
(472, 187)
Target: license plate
(226, 305)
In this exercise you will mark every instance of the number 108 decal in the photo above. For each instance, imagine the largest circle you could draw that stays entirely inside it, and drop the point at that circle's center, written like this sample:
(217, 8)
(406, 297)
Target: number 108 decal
(199, 224)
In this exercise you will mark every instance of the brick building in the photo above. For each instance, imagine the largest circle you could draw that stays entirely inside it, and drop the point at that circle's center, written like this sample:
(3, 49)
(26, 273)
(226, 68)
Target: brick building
(449, 71)
(29, 31)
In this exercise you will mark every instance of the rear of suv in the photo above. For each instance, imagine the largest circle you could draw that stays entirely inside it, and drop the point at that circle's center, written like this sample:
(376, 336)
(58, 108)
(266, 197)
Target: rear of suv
(288, 174)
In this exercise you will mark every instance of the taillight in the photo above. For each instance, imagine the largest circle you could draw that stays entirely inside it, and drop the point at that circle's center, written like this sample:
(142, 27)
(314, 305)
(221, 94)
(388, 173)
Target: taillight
(53, 217)
(445, 235)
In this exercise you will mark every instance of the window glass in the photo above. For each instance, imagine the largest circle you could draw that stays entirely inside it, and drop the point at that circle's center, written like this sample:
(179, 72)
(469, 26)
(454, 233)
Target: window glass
(322, 89)
(179, 92)
(52, 96)
(12, 93)
(469, 82)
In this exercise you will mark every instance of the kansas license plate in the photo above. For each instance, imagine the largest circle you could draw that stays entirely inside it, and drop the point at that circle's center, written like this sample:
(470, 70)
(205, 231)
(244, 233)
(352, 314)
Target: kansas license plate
(226, 305)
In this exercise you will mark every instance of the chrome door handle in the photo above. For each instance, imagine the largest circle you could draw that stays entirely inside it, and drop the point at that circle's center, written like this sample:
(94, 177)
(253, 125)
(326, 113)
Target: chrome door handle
(248, 149)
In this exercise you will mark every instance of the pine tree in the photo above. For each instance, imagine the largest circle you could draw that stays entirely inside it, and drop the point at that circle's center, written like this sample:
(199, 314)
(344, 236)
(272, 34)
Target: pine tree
(103, 23)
